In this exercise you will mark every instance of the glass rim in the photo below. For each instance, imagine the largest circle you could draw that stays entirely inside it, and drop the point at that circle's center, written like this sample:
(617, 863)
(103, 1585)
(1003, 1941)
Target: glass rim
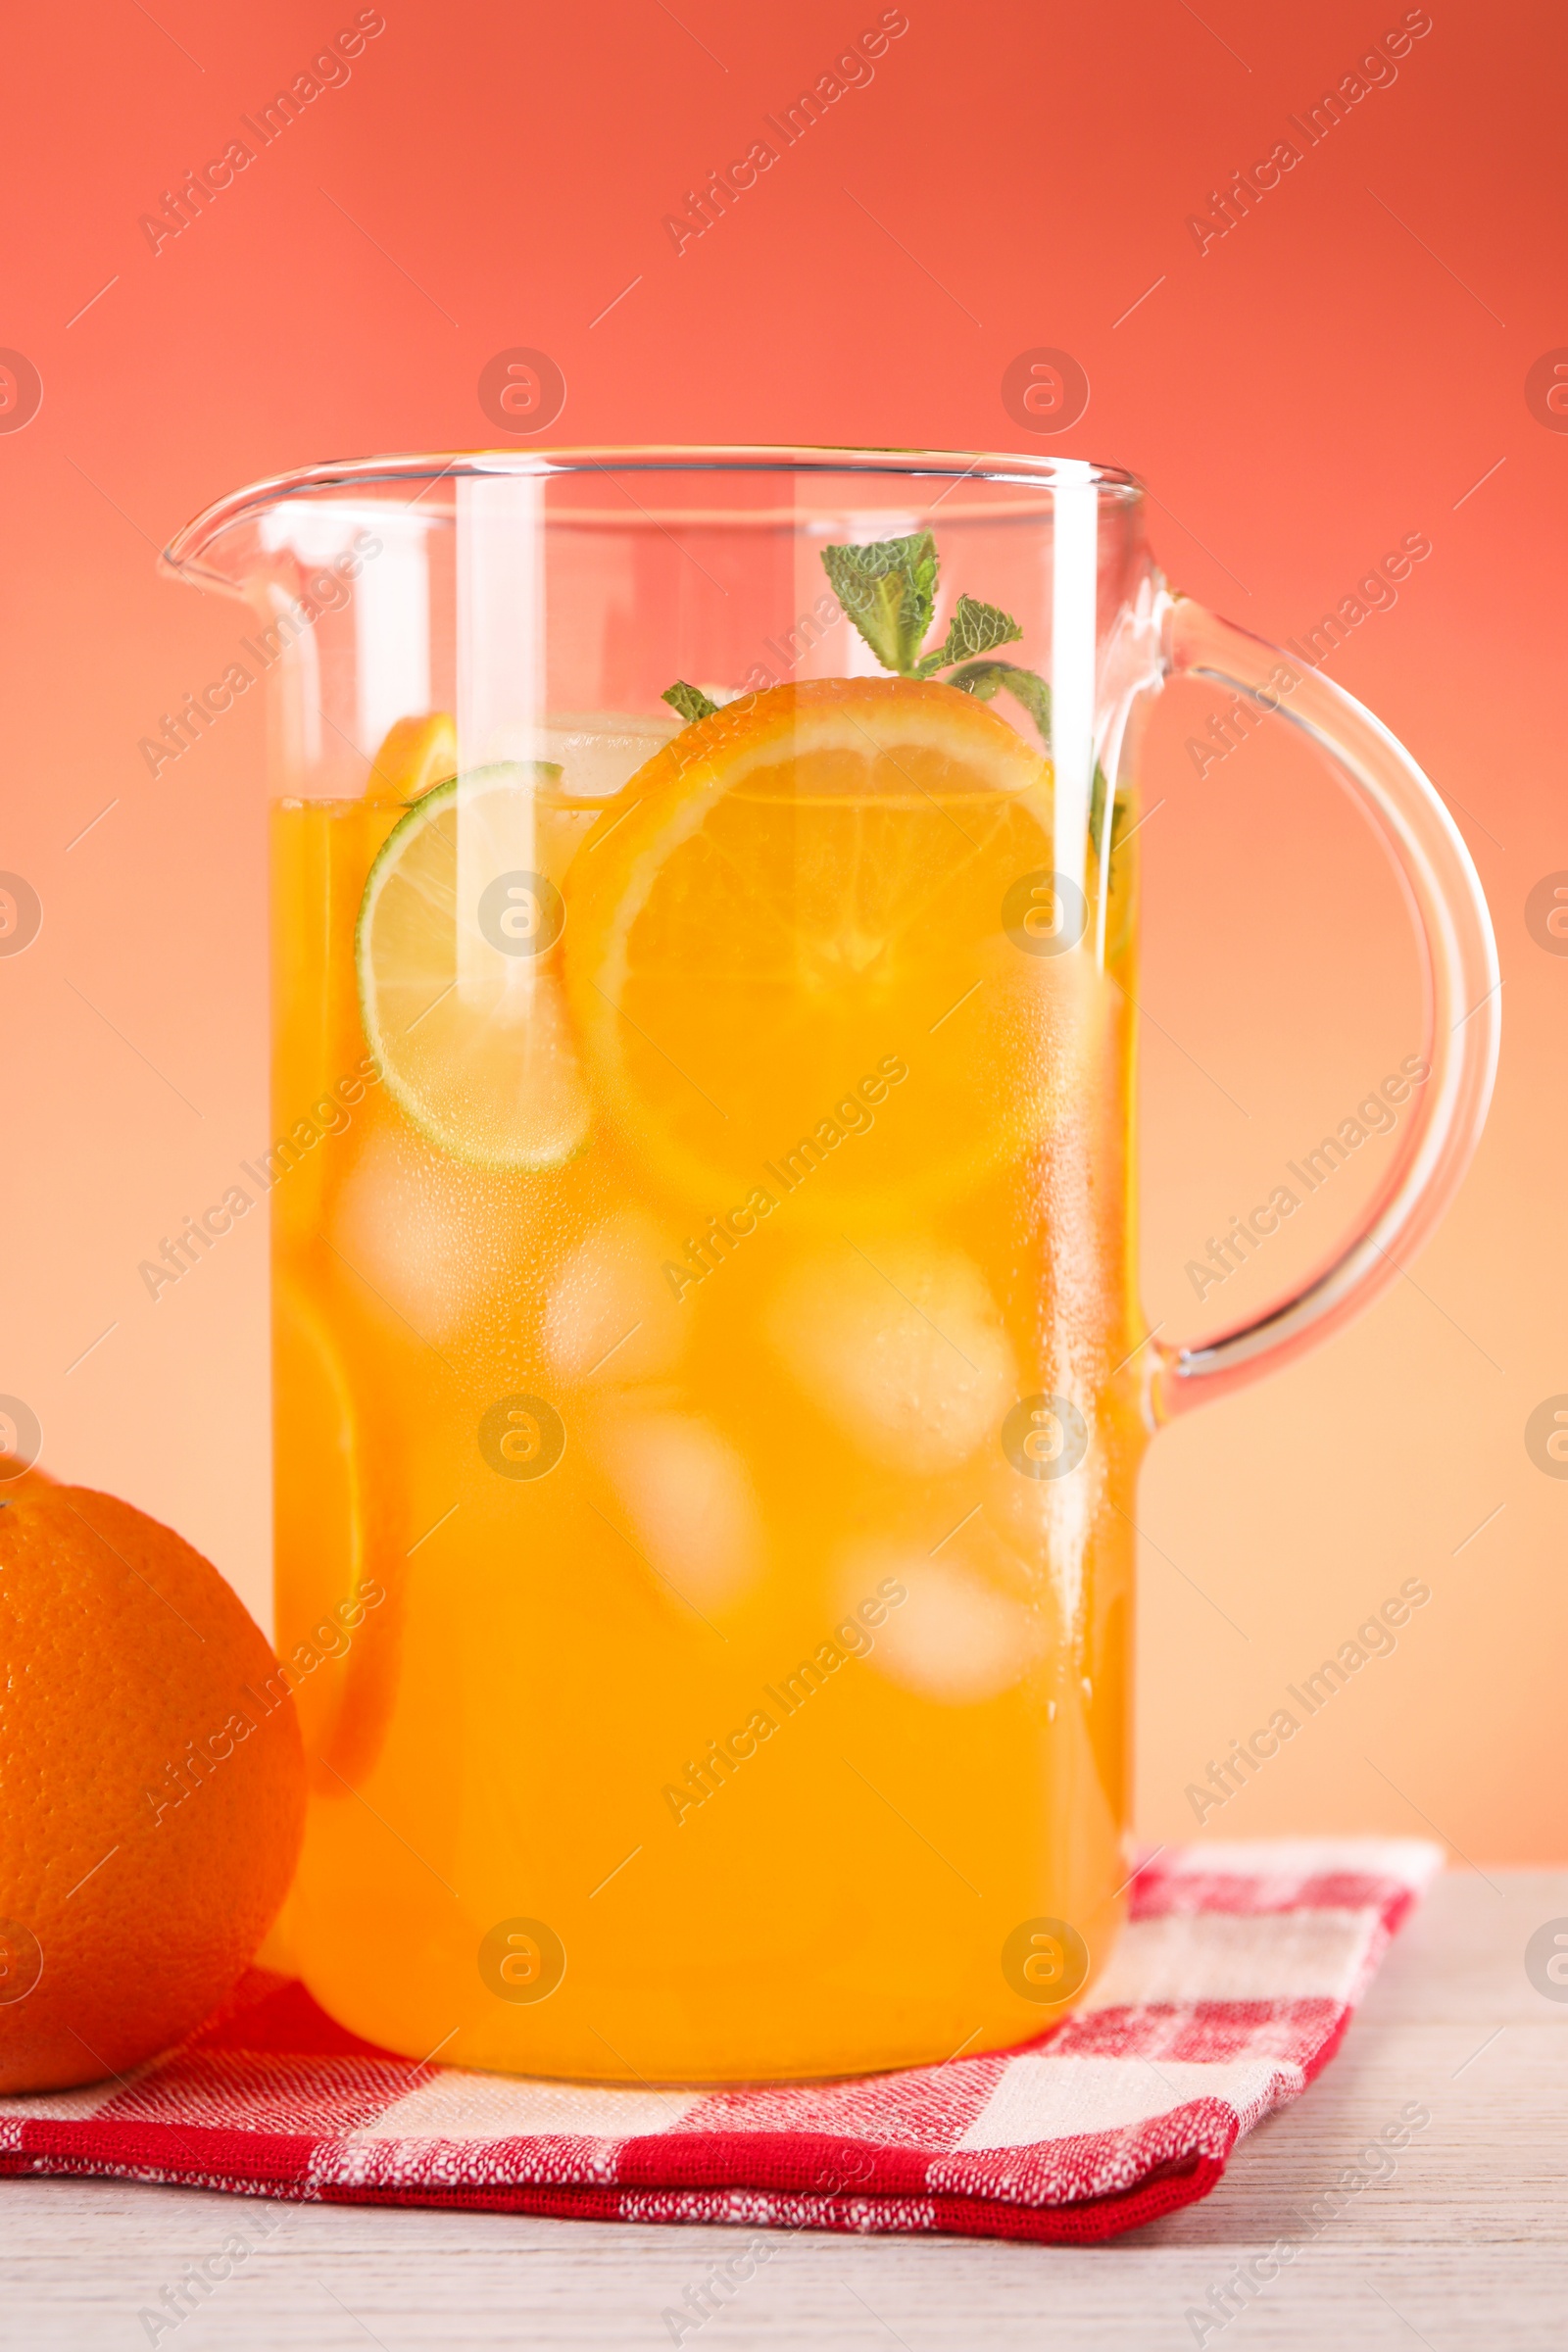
(1041, 474)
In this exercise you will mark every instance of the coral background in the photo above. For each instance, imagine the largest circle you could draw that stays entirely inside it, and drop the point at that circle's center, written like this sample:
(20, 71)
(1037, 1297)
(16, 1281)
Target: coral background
(1342, 368)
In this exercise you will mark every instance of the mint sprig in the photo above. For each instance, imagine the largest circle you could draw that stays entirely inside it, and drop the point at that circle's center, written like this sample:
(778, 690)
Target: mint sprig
(889, 591)
(689, 701)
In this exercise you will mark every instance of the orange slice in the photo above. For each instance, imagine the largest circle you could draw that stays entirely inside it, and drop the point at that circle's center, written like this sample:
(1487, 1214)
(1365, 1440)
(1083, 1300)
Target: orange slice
(415, 752)
(787, 957)
(331, 1543)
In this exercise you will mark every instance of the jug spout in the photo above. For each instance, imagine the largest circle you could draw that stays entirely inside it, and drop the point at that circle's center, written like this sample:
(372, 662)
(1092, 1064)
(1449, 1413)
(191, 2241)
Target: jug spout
(247, 538)
(342, 565)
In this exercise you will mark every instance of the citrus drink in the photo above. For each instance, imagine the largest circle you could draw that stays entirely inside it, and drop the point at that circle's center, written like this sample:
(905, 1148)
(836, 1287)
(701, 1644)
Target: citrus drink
(704, 1360)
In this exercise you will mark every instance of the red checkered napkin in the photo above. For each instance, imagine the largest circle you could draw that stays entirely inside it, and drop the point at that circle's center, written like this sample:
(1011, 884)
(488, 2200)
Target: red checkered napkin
(1232, 1985)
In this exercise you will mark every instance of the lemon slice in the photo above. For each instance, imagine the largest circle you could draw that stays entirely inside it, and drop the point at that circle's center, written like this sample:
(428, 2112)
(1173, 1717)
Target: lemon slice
(456, 957)
(789, 959)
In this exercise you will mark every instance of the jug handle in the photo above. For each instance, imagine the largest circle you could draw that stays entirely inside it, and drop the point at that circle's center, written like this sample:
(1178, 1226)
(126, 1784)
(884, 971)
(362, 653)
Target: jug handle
(1462, 1012)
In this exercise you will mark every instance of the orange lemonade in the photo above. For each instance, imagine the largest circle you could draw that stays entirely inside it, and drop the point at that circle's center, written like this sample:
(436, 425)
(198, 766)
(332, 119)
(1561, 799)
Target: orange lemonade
(704, 1358)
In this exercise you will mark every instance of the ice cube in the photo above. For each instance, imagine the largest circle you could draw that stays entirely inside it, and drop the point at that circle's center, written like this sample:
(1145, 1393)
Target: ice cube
(611, 1316)
(599, 751)
(900, 1346)
(441, 1243)
(687, 1502)
(593, 753)
(955, 1638)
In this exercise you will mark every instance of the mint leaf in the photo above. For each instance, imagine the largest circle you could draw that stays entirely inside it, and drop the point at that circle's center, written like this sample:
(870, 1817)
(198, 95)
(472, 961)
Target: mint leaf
(889, 590)
(977, 628)
(689, 701)
(1096, 817)
(974, 628)
(984, 679)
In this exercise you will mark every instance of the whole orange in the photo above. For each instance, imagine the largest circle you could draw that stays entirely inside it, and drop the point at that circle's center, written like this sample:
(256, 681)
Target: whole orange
(152, 1787)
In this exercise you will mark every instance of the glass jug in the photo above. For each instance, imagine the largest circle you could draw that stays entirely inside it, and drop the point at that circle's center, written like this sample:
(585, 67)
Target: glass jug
(710, 1385)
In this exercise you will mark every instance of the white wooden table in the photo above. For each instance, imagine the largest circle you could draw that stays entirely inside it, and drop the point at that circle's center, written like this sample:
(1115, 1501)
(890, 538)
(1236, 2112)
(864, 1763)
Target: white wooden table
(1465, 2249)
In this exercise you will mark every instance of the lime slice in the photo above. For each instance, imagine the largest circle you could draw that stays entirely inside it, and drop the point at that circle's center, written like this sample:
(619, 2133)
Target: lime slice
(457, 955)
